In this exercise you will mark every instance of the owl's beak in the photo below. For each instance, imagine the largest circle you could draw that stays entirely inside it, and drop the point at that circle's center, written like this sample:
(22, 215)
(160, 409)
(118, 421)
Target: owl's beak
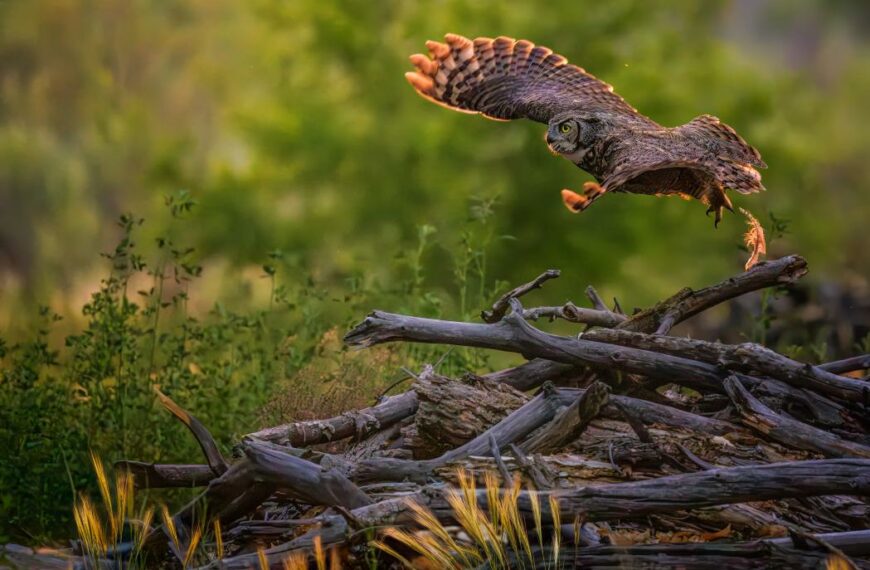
(550, 142)
(548, 137)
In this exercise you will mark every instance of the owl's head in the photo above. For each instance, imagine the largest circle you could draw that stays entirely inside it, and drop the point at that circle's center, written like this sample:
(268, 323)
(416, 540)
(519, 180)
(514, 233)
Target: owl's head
(569, 135)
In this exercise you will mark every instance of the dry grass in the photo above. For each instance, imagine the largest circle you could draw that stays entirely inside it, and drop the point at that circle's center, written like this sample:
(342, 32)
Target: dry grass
(101, 528)
(334, 381)
(497, 535)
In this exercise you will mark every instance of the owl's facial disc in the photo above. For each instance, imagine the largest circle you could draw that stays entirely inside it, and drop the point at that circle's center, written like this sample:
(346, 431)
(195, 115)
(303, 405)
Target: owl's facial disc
(563, 136)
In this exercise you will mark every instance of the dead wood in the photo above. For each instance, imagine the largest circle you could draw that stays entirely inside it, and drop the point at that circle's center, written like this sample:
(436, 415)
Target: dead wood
(157, 475)
(303, 480)
(611, 436)
(511, 429)
(786, 430)
(852, 364)
(574, 314)
(451, 413)
(569, 423)
(501, 306)
(759, 555)
(534, 373)
(205, 440)
(749, 358)
(357, 423)
(688, 303)
(702, 489)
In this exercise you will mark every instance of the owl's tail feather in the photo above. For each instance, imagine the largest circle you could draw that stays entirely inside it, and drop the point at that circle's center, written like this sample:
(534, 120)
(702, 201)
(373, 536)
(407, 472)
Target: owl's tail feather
(739, 177)
(725, 140)
(736, 161)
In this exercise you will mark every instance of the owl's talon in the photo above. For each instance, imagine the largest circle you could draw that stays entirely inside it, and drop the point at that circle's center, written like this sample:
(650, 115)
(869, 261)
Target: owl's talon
(717, 210)
(575, 202)
(592, 190)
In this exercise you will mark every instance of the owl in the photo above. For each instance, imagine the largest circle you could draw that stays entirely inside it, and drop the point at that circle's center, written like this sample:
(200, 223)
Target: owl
(588, 123)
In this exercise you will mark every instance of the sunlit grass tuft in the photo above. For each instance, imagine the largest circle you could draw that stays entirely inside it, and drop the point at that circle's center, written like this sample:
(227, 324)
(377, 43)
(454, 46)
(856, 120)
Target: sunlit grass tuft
(101, 529)
(496, 535)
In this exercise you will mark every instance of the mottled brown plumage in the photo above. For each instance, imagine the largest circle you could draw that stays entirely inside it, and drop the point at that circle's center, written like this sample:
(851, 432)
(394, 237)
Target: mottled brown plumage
(588, 123)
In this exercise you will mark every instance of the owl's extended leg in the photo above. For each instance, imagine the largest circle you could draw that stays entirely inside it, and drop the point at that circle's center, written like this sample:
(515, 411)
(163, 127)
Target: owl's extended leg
(576, 203)
(719, 201)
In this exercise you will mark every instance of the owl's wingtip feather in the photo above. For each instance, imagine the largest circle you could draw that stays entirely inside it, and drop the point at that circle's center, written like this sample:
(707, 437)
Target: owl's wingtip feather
(437, 49)
(457, 40)
(422, 83)
(423, 64)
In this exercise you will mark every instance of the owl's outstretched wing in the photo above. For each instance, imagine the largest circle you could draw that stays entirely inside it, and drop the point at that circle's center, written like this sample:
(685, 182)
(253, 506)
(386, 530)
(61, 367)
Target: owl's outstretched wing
(507, 79)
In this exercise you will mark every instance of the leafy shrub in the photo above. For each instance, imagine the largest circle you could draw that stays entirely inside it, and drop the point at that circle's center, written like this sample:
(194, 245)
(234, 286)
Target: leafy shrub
(236, 370)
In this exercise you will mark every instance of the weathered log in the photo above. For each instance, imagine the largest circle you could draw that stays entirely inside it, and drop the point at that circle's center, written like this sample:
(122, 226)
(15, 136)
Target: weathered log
(574, 314)
(688, 303)
(451, 413)
(159, 475)
(749, 358)
(683, 305)
(534, 373)
(701, 489)
(501, 306)
(760, 555)
(788, 431)
(513, 334)
(517, 425)
(303, 480)
(635, 499)
(852, 364)
(358, 423)
(203, 437)
(570, 422)
(514, 427)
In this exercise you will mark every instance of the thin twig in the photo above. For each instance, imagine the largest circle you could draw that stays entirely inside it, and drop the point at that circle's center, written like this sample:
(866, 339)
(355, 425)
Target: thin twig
(500, 307)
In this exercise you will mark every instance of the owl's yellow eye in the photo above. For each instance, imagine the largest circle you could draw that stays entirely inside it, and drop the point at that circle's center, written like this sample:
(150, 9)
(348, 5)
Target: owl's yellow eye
(565, 128)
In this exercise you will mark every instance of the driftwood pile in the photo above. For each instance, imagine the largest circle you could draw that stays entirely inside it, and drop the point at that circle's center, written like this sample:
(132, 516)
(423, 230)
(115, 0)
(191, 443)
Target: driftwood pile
(666, 452)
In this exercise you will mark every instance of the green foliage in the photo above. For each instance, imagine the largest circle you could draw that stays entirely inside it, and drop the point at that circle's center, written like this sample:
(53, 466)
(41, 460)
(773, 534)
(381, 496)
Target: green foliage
(94, 394)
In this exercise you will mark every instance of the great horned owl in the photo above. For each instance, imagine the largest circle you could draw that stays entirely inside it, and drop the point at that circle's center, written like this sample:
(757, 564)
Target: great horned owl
(587, 122)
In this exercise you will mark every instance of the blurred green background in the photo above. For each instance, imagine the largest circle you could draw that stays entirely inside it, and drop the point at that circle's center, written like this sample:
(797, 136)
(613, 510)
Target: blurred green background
(291, 124)
(316, 170)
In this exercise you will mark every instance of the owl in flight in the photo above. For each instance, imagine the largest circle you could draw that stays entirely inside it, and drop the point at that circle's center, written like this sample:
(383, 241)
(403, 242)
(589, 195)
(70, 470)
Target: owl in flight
(587, 122)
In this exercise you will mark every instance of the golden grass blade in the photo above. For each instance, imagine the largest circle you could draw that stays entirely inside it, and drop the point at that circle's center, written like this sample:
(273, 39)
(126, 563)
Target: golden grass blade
(577, 528)
(90, 529)
(144, 528)
(535, 502)
(428, 521)
(421, 546)
(191, 546)
(124, 503)
(103, 484)
(262, 560)
(334, 559)
(319, 556)
(218, 539)
(382, 546)
(296, 561)
(517, 526)
(493, 499)
(557, 528)
(169, 523)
